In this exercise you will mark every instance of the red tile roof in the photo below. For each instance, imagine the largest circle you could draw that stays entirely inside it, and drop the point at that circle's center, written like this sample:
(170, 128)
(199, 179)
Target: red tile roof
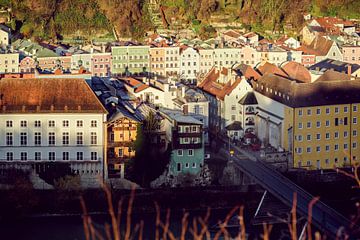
(320, 46)
(137, 85)
(48, 95)
(267, 68)
(297, 71)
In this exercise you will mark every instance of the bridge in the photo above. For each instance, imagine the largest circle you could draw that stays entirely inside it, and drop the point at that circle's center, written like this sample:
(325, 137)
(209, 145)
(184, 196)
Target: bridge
(324, 217)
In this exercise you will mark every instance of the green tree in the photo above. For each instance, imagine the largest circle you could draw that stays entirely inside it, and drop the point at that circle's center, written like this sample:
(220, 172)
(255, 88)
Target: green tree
(149, 162)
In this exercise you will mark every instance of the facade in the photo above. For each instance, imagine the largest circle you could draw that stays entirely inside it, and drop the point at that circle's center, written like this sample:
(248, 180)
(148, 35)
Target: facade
(189, 64)
(27, 65)
(81, 60)
(351, 54)
(130, 59)
(5, 35)
(315, 121)
(46, 127)
(9, 62)
(101, 64)
(157, 60)
(121, 135)
(52, 63)
(187, 143)
(172, 61)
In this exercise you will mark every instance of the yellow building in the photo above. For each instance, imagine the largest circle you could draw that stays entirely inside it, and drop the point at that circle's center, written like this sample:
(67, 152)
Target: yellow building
(319, 121)
(121, 135)
(9, 63)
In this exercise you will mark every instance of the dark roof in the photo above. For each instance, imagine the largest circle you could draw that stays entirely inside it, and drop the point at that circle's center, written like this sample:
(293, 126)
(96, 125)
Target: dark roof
(335, 65)
(331, 75)
(48, 95)
(235, 126)
(248, 99)
(317, 93)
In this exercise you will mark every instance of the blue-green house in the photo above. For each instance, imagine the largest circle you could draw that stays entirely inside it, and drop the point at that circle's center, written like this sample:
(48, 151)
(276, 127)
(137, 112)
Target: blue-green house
(187, 143)
(130, 59)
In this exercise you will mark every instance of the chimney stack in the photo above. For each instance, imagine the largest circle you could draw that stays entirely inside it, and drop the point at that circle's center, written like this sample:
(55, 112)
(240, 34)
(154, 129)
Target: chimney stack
(349, 70)
(52, 108)
(66, 108)
(23, 108)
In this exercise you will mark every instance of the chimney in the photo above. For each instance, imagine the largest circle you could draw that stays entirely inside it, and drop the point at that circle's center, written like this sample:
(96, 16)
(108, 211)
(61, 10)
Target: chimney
(349, 69)
(52, 108)
(65, 108)
(23, 108)
(38, 108)
(79, 108)
(185, 109)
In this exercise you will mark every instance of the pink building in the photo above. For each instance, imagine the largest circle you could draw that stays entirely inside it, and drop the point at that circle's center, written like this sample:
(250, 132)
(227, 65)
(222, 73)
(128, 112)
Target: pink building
(51, 63)
(351, 54)
(307, 60)
(27, 65)
(101, 64)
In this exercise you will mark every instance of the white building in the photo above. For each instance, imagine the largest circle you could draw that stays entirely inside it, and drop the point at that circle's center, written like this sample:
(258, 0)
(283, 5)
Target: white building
(5, 34)
(84, 59)
(189, 64)
(52, 125)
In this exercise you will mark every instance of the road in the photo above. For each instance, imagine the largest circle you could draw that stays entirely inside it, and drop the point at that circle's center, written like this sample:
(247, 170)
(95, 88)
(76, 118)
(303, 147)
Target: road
(324, 217)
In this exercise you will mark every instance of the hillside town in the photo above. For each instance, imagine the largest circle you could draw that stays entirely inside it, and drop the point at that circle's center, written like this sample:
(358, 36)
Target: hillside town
(83, 110)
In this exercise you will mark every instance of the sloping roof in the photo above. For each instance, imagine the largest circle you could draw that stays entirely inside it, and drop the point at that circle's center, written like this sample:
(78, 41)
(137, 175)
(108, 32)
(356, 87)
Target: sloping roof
(320, 46)
(332, 75)
(232, 33)
(317, 93)
(267, 68)
(235, 126)
(247, 71)
(339, 66)
(135, 84)
(180, 117)
(211, 86)
(297, 71)
(248, 99)
(40, 95)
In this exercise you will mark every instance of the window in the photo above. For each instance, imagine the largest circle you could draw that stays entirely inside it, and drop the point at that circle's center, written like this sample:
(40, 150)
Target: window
(309, 112)
(191, 152)
(354, 108)
(345, 121)
(37, 123)
(233, 107)
(318, 124)
(354, 120)
(94, 156)
(308, 137)
(9, 156)
(354, 145)
(180, 152)
(327, 123)
(354, 133)
(93, 123)
(79, 123)
(336, 121)
(308, 149)
(345, 146)
(9, 139)
(327, 161)
(318, 111)
(345, 109)
(187, 165)
(327, 148)
(51, 138)
(93, 139)
(65, 138)
(23, 123)
(37, 139)
(23, 139)
(308, 124)
(318, 149)
(51, 123)
(23, 156)
(37, 156)
(9, 124)
(79, 138)
(79, 156)
(233, 117)
(327, 110)
(178, 167)
(345, 134)
(66, 123)
(336, 147)
(336, 110)
(52, 156)
(318, 136)
(300, 126)
(65, 156)
(299, 150)
(327, 135)
(300, 138)
(300, 112)
(336, 134)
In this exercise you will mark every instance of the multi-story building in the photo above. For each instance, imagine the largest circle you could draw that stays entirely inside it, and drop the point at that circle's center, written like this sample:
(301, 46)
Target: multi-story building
(27, 65)
(130, 59)
(81, 60)
(351, 53)
(316, 122)
(172, 61)
(101, 64)
(52, 63)
(206, 60)
(121, 133)
(9, 62)
(52, 126)
(157, 60)
(187, 142)
(249, 56)
(5, 35)
(189, 64)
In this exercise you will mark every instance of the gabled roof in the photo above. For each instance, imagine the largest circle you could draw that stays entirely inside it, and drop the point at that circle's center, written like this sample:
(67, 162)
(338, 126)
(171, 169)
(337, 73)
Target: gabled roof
(235, 126)
(248, 99)
(232, 33)
(332, 75)
(48, 95)
(135, 84)
(320, 46)
(247, 71)
(267, 68)
(211, 85)
(297, 71)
